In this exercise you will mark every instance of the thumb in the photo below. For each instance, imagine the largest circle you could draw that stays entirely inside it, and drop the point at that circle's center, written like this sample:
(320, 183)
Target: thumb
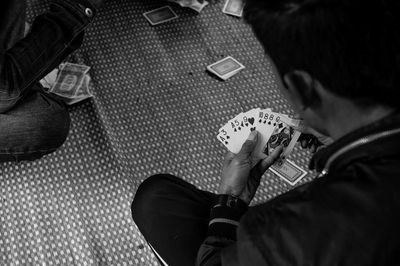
(249, 145)
(271, 159)
(228, 158)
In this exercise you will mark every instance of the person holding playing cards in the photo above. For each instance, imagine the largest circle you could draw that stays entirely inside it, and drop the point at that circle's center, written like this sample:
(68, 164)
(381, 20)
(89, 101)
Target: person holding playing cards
(340, 63)
(32, 122)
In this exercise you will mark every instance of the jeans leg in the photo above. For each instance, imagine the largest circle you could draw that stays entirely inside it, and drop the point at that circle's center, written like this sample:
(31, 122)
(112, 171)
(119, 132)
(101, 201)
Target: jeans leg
(34, 127)
(12, 22)
(173, 217)
(53, 36)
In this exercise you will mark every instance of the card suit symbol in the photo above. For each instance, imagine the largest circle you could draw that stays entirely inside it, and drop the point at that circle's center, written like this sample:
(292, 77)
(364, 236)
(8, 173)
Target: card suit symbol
(226, 143)
(228, 137)
(252, 129)
(274, 124)
(265, 121)
(269, 123)
(280, 125)
(247, 124)
(239, 128)
(259, 121)
(251, 120)
(235, 130)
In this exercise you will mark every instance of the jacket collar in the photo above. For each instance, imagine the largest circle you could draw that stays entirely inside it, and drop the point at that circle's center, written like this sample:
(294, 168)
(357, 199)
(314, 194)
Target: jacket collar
(375, 140)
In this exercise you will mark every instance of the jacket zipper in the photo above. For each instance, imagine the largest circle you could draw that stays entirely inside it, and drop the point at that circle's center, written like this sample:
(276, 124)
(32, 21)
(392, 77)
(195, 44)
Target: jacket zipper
(356, 144)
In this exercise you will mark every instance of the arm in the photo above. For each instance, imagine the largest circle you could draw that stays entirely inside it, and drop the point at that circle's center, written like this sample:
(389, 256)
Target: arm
(238, 186)
(224, 218)
(54, 35)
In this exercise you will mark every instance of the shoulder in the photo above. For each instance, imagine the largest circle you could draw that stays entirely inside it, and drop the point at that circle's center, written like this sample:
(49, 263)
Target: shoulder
(334, 213)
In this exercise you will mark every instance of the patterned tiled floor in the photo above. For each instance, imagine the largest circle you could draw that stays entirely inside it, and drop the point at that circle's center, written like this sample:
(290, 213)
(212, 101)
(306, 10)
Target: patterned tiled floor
(155, 110)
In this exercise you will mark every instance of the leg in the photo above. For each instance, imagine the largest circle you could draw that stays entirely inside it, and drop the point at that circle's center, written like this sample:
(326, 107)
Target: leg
(34, 127)
(54, 35)
(173, 217)
(12, 23)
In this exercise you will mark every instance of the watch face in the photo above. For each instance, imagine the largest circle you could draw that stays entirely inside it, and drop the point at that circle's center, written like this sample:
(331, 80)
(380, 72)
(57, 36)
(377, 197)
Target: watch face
(231, 202)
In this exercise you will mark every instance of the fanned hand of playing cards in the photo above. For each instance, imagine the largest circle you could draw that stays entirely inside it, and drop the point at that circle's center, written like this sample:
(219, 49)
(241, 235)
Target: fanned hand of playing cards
(275, 130)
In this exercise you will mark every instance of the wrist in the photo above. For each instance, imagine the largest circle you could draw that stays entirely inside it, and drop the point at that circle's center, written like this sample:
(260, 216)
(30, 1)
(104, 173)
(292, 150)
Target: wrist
(227, 190)
(225, 215)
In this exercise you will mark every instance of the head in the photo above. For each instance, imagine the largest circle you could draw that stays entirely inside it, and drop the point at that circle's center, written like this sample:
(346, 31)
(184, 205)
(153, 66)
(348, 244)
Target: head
(331, 52)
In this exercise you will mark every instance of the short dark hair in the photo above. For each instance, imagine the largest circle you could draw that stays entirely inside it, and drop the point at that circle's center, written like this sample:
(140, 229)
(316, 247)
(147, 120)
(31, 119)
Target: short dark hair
(351, 46)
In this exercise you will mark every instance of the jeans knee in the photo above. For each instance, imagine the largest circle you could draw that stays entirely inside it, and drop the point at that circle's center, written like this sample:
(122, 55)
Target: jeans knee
(149, 194)
(51, 131)
(30, 136)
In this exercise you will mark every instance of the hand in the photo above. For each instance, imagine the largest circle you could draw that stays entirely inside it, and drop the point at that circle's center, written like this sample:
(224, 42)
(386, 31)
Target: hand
(313, 140)
(238, 178)
(310, 138)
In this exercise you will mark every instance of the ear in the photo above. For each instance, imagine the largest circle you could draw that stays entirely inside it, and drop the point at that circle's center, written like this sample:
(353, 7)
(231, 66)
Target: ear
(302, 89)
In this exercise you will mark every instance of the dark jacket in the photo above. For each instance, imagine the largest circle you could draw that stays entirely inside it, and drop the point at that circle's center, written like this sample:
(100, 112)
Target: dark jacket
(350, 215)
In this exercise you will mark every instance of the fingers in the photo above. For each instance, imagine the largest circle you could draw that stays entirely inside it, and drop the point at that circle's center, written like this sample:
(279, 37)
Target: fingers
(270, 160)
(248, 146)
(228, 157)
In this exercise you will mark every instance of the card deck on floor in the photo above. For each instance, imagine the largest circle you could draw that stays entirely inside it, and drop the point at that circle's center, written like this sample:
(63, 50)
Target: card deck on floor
(160, 15)
(233, 7)
(226, 67)
(275, 130)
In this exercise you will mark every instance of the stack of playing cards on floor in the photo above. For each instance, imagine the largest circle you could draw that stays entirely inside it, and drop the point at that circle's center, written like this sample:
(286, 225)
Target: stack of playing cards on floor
(196, 5)
(274, 129)
(72, 83)
(225, 68)
(233, 7)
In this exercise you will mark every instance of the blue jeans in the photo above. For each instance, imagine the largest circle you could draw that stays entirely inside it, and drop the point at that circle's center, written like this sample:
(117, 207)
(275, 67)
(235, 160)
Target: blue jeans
(32, 122)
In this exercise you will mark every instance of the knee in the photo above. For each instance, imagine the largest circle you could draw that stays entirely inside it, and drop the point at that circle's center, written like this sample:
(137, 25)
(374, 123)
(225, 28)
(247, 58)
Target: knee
(50, 131)
(149, 194)
(30, 136)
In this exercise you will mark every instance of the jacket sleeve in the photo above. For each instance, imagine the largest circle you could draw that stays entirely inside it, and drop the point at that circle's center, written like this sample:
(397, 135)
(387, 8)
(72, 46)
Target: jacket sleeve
(330, 224)
(287, 230)
(221, 233)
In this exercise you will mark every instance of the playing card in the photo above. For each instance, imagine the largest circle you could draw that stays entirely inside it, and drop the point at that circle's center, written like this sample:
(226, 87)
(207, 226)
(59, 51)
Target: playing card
(285, 135)
(225, 68)
(289, 172)
(234, 8)
(160, 15)
(232, 140)
(265, 129)
(193, 4)
(70, 78)
(249, 122)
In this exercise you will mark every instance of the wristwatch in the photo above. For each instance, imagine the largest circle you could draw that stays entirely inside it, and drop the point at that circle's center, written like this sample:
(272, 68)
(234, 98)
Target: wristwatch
(225, 200)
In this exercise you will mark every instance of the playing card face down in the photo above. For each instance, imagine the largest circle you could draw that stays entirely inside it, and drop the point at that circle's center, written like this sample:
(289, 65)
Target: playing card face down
(234, 8)
(225, 68)
(289, 172)
(160, 15)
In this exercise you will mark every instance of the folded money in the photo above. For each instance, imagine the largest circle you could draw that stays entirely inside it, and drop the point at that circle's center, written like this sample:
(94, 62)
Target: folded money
(72, 83)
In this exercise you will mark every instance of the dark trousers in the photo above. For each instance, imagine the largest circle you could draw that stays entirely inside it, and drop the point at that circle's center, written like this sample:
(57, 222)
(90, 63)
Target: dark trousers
(173, 217)
(32, 122)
